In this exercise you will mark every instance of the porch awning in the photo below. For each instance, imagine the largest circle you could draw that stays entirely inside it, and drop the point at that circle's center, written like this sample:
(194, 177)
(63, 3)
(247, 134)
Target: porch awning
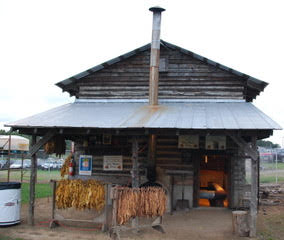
(178, 115)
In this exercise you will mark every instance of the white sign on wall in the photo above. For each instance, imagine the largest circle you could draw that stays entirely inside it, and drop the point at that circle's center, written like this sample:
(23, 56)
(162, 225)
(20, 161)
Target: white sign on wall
(113, 163)
(215, 142)
(188, 141)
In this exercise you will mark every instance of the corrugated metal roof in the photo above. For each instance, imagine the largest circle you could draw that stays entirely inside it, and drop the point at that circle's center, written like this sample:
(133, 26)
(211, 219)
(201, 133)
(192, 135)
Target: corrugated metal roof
(252, 82)
(189, 115)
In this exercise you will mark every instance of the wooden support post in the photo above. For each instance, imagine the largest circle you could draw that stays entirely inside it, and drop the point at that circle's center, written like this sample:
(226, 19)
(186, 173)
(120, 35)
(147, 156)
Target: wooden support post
(114, 231)
(53, 200)
(106, 222)
(172, 194)
(152, 150)
(22, 169)
(32, 185)
(53, 223)
(9, 158)
(251, 150)
(196, 180)
(253, 201)
(258, 182)
(135, 173)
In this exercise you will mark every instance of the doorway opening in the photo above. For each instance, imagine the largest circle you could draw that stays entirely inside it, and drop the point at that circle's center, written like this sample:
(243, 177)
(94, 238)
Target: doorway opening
(213, 181)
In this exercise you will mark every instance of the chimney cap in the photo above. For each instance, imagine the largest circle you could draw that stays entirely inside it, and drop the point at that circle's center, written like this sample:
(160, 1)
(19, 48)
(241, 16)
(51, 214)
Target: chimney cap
(156, 9)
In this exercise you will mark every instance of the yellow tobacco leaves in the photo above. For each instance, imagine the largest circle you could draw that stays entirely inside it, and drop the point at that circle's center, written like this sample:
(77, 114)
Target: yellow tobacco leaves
(140, 202)
(89, 194)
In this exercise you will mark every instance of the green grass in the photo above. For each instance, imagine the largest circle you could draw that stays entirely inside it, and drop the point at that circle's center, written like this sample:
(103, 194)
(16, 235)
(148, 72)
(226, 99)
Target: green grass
(42, 190)
(42, 176)
(270, 179)
(9, 238)
(273, 165)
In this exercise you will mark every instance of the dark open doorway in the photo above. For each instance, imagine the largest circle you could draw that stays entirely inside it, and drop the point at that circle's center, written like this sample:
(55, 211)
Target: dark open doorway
(213, 181)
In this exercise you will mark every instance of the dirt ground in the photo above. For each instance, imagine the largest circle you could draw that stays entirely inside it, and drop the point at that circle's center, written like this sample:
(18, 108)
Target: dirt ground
(201, 223)
(271, 223)
(271, 212)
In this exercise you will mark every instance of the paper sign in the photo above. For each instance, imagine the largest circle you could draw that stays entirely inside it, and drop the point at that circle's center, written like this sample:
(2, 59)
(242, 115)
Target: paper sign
(113, 163)
(85, 165)
(215, 143)
(188, 141)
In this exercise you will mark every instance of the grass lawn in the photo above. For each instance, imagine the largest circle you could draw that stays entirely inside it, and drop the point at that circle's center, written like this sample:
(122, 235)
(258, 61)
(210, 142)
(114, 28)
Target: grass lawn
(42, 176)
(42, 190)
(272, 165)
(271, 179)
(8, 238)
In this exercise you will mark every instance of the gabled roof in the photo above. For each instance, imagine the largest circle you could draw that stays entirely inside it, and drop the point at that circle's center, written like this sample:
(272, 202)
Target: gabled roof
(172, 115)
(253, 83)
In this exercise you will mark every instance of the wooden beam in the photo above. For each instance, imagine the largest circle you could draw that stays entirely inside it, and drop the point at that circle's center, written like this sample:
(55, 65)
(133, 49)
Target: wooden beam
(9, 158)
(152, 150)
(253, 200)
(196, 179)
(32, 185)
(42, 141)
(53, 200)
(244, 145)
(135, 174)
(71, 132)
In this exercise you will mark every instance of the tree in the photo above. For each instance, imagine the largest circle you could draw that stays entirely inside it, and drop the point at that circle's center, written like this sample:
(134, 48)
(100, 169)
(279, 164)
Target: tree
(267, 144)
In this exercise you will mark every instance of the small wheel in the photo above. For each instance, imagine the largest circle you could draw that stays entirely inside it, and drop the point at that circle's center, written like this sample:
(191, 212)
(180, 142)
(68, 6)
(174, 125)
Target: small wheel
(53, 224)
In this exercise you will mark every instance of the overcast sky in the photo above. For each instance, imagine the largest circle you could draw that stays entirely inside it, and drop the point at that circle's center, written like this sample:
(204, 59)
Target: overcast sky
(44, 42)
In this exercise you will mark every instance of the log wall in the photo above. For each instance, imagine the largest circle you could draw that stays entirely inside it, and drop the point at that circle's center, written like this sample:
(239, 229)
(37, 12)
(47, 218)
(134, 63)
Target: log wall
(183, 77)
(121, 145)
(167, 157)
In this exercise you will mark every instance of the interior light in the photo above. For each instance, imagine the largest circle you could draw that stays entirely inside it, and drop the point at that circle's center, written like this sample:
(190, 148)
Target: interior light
(206, 159)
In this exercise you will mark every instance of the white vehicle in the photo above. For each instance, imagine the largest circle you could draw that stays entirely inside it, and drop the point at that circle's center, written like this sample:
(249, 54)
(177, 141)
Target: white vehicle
(49, 165)
(16, 165)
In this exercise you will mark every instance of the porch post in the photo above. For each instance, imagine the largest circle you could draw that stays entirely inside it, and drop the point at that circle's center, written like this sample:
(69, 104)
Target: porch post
(253, 201)
(135, 173)
(32, 184)
(152, 150)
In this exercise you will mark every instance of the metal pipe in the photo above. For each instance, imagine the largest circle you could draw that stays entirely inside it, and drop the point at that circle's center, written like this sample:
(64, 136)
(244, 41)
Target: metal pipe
(155, 55)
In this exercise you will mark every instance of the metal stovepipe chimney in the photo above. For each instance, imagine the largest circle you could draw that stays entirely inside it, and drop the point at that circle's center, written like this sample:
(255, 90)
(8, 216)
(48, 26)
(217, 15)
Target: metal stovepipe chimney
(155, 56)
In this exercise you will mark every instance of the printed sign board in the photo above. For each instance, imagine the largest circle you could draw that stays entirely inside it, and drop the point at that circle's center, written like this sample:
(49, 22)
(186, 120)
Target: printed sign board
(188, 141)
(215, 142)
(113, 163)
(85, 165)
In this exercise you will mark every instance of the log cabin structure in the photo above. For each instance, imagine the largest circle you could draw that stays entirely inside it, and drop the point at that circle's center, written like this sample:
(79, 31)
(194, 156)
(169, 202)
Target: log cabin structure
(193, 123)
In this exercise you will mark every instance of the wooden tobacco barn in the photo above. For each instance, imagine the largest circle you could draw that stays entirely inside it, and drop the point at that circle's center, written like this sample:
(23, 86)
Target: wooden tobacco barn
(189, 128)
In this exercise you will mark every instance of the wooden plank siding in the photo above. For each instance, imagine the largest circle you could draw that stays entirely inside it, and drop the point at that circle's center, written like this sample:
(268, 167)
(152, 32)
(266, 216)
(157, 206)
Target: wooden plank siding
(121, 145)
(184, 78)
(169, 156)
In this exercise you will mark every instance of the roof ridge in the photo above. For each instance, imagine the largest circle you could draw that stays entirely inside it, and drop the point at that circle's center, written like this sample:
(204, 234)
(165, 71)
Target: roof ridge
(251, 81)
